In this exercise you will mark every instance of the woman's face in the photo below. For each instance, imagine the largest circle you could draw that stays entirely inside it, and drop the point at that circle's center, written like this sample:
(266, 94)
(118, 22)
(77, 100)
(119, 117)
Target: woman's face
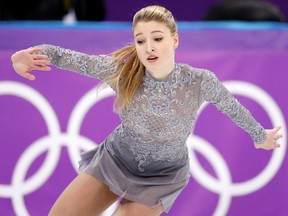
(155, 46)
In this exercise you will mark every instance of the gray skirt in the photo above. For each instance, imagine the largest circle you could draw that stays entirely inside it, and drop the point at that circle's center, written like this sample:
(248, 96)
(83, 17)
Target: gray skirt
(152, 190)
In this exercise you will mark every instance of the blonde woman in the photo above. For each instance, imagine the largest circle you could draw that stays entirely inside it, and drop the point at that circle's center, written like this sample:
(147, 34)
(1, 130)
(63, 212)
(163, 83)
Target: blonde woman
(145, 159)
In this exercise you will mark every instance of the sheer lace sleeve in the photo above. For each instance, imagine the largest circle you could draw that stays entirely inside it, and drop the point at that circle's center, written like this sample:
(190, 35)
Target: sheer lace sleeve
(96, 66)
(215, 92)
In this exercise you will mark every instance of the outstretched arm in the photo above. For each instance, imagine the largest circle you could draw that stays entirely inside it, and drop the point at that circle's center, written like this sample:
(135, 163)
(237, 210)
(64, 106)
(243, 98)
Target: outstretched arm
(25, 61)
(216, 93)
(37, 58)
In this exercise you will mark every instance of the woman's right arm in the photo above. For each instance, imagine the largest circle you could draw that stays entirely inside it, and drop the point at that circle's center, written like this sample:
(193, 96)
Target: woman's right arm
(39, 57)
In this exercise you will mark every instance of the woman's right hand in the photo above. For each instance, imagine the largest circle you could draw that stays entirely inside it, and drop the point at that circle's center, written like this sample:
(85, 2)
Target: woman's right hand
(24, 61)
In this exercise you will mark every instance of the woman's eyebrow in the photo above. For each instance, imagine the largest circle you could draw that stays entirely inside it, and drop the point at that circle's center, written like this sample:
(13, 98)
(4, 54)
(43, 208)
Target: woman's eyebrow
(157, 31)
(153, 32)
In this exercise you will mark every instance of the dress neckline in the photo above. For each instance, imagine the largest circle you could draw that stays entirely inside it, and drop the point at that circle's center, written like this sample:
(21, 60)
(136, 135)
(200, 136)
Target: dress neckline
(167, 79)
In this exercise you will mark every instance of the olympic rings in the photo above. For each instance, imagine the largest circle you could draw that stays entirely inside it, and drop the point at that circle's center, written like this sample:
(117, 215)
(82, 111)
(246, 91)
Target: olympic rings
(55, 140)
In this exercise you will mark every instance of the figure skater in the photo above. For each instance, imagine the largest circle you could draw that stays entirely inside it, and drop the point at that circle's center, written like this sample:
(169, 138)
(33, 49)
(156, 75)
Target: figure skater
(144, 161)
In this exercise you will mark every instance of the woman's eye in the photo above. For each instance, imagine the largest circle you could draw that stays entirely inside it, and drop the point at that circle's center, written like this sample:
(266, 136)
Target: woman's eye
(140, 42)
(158, 39)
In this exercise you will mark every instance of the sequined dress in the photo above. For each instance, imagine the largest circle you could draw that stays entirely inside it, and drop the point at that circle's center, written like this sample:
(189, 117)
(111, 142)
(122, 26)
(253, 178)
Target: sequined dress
(145, 159)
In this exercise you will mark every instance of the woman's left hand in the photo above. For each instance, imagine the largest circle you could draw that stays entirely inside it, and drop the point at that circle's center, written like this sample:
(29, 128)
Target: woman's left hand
(271, 140)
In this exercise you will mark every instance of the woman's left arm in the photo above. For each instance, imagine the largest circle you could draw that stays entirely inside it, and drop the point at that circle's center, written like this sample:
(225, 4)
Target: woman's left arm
(216, 93)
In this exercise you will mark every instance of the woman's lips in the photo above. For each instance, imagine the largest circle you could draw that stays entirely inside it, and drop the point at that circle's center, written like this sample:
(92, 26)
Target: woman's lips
(152, 58)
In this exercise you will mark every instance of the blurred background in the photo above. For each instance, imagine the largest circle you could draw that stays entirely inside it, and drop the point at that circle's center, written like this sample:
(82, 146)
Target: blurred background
(45, 124)
(113, 10)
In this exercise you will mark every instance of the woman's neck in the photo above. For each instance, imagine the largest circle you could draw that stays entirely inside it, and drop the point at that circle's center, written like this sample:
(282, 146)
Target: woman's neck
(163, 74)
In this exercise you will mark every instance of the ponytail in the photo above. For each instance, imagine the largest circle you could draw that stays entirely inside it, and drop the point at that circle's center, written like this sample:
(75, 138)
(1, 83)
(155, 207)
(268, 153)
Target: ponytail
(128, 79)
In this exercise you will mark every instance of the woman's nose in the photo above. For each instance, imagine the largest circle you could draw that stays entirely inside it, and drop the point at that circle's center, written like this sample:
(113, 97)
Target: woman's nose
(149, 47)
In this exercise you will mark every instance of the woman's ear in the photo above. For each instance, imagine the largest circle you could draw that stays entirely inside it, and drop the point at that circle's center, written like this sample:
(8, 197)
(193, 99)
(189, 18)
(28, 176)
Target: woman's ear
(176, 41)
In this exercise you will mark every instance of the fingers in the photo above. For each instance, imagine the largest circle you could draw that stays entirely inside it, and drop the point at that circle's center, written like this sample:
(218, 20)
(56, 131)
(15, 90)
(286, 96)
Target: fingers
(28, 76)
(35, 50)
(30, 58)
(269, 146)
(26, 72)
(39, 57)
(273, 146)
(42, 68)
(39, 62)
(42, 62)
(276, 129)
(277, 136)
(275, 133)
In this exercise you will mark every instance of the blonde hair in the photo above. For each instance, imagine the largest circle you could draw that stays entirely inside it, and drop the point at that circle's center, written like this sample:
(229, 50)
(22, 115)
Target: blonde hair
(131, 71)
